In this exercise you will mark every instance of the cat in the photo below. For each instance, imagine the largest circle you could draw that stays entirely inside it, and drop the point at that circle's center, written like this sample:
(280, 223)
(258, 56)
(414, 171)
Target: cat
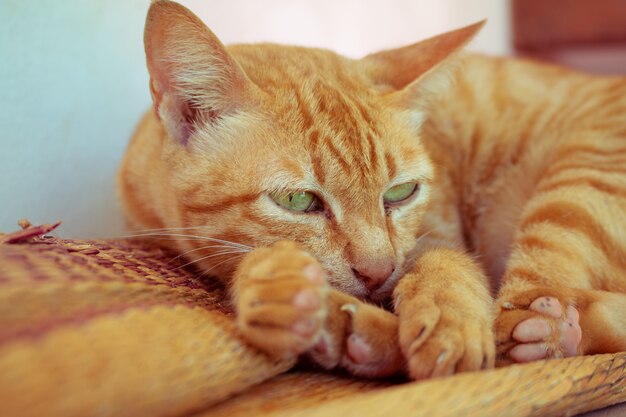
(482, 200)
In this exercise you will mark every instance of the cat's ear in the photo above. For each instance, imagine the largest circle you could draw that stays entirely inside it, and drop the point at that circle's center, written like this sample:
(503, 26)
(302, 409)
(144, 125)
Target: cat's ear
(419, 68)
(193, 79)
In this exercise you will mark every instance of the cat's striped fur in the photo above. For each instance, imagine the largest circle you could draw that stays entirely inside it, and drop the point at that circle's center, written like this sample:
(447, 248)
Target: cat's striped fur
(522, 188)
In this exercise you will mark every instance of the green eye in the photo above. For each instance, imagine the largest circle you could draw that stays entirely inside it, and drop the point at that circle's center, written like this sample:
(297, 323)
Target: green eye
(303, 201)
(400, 192)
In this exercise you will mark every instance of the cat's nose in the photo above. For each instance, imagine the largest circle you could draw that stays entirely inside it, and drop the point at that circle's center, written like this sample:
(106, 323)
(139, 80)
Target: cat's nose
(373, 274)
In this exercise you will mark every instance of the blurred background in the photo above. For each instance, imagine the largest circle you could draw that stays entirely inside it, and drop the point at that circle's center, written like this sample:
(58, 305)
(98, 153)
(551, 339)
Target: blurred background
(73, 82)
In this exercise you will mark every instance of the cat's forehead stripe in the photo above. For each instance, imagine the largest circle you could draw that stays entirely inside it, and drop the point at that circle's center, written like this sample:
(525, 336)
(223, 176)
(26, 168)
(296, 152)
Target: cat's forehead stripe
(391, 165)
(305, 113)
(202, 206)
(339, 131)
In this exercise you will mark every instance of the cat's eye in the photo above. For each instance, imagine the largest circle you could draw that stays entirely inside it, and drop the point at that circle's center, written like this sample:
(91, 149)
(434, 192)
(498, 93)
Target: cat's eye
(302, 201)
(399, 193)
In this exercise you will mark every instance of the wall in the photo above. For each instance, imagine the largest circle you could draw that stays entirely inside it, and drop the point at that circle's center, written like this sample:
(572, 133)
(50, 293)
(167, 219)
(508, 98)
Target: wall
(73, 83)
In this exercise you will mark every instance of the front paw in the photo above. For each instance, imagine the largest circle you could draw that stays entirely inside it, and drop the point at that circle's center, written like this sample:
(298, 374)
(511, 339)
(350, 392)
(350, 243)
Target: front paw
(358, 337)
(442, 335)
(281, 299)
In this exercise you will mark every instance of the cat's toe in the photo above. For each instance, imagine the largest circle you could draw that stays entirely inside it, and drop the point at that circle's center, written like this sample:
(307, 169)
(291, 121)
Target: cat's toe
(451, 349)
(532, 330)
(437, 357)
(528, 352)
(549, 306)
(371, 347)
(419, 321)
(571, 332)
(359, 351)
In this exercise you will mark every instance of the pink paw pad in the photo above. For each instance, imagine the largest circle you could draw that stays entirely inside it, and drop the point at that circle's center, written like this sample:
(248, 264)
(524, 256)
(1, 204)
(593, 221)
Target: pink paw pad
(535, 333)
(307, 300)
(358, 350)
(532, 330)
(528, 352)
(321, 346)
(315, 274)
(549, 306)
(571, 333)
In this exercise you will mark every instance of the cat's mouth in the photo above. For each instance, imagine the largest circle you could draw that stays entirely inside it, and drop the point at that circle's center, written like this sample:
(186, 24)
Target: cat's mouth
(381, 295)
(351, 284)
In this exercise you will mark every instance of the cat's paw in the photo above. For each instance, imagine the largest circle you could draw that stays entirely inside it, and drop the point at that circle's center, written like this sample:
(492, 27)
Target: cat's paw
(360, 338)
(440, 339)
(537, 324)
(281, 303)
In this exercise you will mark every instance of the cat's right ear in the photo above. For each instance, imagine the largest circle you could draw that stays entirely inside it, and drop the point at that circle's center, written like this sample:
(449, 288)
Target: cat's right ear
(417, 71)
(193, 79)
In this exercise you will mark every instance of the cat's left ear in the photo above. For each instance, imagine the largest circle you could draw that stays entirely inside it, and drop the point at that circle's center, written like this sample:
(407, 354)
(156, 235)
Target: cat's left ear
(418, 69)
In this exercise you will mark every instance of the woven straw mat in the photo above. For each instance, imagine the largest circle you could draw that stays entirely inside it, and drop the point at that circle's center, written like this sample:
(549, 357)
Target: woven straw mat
(116, 328)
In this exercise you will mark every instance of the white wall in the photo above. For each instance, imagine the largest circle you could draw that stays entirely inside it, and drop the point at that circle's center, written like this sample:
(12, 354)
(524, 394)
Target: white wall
(73, 83)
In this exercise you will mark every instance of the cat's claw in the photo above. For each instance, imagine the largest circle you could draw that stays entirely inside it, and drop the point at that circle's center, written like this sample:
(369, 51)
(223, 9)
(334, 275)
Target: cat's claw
(543, 330)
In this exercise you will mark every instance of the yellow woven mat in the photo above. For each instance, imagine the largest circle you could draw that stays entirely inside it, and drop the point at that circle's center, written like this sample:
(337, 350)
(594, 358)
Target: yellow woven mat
(110, 328)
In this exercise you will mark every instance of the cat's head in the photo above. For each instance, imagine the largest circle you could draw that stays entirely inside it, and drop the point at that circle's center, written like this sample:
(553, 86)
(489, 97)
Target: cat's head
(268, 142)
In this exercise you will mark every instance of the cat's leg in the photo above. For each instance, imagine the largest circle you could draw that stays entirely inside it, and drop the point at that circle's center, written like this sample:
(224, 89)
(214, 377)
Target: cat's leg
(285, 308)
(562, 292)
(446, 315)
(444, 305)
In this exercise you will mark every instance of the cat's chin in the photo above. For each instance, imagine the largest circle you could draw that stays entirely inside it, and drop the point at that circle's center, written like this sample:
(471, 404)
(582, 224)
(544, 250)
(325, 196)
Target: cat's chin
(379, 296)
(358, 290)
(383, 294)
(360, 293)
(350, 286)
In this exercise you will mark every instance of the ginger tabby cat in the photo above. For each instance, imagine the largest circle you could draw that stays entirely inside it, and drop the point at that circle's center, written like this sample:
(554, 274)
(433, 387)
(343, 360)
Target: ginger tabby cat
(320, 188)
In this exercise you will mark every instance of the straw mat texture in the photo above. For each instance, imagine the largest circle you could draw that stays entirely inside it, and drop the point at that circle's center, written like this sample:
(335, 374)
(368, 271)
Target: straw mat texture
(117, 328)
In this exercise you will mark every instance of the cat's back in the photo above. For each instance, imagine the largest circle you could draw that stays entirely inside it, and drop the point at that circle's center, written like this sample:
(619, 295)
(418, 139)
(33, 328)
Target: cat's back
(499, 110)
(503, 90)
(504, 124)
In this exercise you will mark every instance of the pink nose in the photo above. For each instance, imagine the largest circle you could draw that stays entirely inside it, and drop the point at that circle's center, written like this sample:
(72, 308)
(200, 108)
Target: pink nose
(373, 275)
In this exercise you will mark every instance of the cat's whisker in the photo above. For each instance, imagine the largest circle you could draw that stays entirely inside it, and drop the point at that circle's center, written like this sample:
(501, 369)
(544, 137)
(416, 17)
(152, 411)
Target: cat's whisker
(216, 265)
(205, 273)
(198, 249)
(222, 253)
(172, 229)
(423, 235)
(187, 236)
(412, 254)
